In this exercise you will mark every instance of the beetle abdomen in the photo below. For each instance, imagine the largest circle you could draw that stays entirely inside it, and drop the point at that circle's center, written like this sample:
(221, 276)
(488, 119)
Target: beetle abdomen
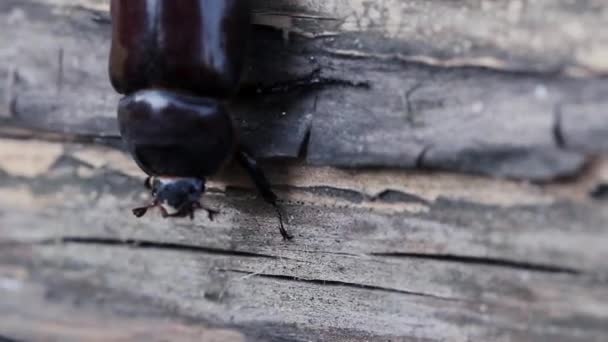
(176, 135)
(196, 46)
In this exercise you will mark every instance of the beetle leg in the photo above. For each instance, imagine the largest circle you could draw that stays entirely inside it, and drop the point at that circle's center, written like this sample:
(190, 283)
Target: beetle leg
(261, 183)
(210, 212)
(164, 212)
(141, 211)
(148, 183)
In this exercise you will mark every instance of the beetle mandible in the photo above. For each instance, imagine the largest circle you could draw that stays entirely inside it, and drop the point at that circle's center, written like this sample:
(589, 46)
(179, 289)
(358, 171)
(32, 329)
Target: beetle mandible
(177, 62)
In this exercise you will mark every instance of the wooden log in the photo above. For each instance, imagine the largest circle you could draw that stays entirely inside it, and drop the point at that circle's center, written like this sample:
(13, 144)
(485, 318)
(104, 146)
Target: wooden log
(442, 112)
(377, 254)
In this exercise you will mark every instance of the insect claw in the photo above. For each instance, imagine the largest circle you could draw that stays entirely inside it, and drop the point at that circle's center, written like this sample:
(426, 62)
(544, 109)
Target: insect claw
(211, 213)
(139, 212)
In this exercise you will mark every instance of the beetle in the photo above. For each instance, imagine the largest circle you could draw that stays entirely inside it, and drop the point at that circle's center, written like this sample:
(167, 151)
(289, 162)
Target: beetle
(178, 63)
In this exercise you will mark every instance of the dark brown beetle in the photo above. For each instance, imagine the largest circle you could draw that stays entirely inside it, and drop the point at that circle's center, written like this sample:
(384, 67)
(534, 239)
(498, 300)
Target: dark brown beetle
(177, 61)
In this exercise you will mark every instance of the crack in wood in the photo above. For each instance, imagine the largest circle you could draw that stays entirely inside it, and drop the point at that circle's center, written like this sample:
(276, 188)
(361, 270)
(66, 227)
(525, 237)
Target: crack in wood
(10, 96)
(303, 148)
(388, 201)
(558, 132)
(324, 282)
(505, 263)
(60, 70)
(389, 196)
(4, 338)
(146, 244)
(410, 114)
(11, 129)
(600, 192)
(313, 81)
(420, 159)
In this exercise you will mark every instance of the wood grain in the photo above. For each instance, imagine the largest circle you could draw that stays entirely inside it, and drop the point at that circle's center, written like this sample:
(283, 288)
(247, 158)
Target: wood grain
(361, 110)
(442, 164)
(394, 265)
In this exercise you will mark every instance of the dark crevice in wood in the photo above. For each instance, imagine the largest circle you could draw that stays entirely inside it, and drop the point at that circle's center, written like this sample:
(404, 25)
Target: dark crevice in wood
(411, 119)
(558, 133)
(323, 282)
(303, 150)
(433, 63)
(600, 192)
(145, 244)
(319, 252)
(505, 263)
(387, 196)
(10, 97)
(395, 197)
(8, 339)
(70, 161)
(60, 70)
(310, 82)
(421, 158)
(333, 192)
(98, 17)
(12, 130)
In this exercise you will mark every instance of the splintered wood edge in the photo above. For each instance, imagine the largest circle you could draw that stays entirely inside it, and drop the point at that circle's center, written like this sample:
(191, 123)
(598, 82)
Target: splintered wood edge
(31, 159)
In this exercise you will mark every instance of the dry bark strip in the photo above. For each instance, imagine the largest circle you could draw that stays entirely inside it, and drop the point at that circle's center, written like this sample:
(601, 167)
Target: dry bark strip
(367, 107)
(510, 261)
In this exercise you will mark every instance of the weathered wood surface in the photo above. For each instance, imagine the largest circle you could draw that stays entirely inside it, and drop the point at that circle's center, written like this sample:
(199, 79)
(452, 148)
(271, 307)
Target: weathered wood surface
(502, 88)
(429, 114)
(377, 254)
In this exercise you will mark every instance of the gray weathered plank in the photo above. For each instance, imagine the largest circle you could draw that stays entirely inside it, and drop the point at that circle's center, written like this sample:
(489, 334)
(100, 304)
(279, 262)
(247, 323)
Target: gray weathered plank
(410, 116)
(513, 89)
(116, 317)
(507, 260)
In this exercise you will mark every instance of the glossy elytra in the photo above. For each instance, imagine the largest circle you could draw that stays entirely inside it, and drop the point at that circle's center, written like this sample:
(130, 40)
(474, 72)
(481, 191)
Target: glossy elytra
(176, 62)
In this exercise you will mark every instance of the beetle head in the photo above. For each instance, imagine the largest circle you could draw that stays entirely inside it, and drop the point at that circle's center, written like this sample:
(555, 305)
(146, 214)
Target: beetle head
(176, 197)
